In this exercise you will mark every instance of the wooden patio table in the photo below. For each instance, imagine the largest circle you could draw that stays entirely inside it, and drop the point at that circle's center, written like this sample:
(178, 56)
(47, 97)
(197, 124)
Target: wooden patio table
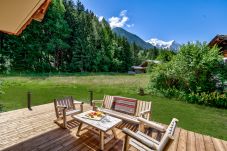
(100, 127)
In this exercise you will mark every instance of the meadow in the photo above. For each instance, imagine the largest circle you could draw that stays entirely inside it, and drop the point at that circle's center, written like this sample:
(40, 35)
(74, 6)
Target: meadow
(197, 118)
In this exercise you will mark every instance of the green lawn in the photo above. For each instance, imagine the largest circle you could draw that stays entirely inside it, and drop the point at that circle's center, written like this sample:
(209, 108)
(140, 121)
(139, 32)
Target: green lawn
(205, 120)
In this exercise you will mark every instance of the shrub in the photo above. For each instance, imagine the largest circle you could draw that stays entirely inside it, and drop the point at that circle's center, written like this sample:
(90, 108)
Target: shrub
(150, 67)
(210, 99)
(1, 85)
(165, 56)
(1, 92)
(1, 108)
(196, 69)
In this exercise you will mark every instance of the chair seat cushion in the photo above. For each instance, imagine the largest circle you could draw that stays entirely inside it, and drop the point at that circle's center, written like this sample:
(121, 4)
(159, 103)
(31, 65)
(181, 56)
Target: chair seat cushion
(71, 112)
(122, 116)
(125, 105)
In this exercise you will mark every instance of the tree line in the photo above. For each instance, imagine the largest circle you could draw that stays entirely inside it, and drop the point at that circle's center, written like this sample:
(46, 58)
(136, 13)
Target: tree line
(70, 39)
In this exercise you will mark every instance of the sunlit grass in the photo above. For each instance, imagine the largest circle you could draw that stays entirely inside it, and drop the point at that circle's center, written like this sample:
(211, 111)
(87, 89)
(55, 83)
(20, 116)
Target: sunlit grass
(205, 120)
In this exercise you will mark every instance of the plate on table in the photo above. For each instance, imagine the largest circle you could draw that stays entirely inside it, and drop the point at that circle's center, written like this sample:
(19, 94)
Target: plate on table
(95, 115)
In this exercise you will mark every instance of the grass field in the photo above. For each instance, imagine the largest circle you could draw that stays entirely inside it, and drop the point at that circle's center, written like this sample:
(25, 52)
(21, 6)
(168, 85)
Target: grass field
(205, 120)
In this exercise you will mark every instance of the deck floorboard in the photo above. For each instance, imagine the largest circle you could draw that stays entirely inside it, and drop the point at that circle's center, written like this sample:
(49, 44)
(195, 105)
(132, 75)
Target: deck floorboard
(24, 130)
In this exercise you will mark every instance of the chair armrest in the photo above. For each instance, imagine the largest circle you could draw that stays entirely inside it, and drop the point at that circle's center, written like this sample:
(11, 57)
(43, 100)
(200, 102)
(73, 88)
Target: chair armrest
(152, 124)
(144, 113)
(61, 108)
(137, 137)
(97, 101)
(77, 102)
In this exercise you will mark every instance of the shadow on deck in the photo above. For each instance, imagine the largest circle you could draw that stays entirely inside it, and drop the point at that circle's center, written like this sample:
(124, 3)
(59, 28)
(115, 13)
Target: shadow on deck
(66, 139)
(23, 130)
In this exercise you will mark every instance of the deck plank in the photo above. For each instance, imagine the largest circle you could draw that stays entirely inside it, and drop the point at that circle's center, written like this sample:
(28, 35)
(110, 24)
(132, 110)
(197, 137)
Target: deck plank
(224, 144)
(218, 144)
(208, 143)
(191, 141)
(35, 130)
(200, 146)
(182, 140)
(173, 146)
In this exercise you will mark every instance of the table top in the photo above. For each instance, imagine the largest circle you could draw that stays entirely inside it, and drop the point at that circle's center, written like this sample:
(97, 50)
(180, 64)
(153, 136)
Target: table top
(107, 123)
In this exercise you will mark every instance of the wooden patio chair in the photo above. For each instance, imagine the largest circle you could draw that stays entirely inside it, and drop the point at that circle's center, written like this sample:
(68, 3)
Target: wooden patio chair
(143, 142)
(66, 107)
(142, 109)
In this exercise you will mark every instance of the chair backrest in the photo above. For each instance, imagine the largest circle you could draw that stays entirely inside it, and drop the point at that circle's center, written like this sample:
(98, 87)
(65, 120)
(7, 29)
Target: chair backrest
(125, 105)
(108, 102)
(143, 106)
(168, 134)
(66, 102)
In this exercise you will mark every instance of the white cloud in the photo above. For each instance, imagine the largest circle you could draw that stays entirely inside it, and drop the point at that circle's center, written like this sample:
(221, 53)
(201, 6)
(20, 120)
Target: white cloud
(130, 25)
(120, 21)
(100, 18)
(123, 13)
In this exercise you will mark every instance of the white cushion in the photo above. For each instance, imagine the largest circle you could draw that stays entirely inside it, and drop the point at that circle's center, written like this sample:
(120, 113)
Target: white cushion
(123, 116)
(72, 112)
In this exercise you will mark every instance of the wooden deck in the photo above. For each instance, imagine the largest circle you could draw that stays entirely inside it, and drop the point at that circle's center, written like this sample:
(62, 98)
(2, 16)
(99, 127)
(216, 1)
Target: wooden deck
(34, 130)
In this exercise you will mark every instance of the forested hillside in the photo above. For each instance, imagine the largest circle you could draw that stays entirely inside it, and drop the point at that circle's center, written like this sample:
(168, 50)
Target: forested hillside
(70, 39)
(132, 38)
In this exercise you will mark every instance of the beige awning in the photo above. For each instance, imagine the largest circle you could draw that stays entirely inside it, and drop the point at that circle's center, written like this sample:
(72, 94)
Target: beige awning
(15, 15)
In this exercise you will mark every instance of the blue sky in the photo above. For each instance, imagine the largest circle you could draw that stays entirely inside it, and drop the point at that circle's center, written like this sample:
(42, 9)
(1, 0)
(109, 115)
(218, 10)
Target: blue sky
(180, 20)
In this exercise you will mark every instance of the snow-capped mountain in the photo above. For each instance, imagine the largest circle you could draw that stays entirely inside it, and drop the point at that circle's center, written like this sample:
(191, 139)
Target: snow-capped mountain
(132, 38)
(172, 45)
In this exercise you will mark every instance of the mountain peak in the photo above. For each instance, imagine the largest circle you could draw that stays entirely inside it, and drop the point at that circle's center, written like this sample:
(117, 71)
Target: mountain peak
(154, 42)
(172, 44)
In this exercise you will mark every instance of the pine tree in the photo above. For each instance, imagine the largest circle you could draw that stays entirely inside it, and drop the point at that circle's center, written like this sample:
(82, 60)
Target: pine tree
(70, 39)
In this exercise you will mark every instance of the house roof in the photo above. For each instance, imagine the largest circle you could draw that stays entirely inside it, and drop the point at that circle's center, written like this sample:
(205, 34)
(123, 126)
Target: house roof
(219, 39)
(138, 67)
(15, 15)
(146, 62)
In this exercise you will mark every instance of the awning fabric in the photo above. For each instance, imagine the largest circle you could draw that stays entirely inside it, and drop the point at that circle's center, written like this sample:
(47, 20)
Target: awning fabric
(15, 15)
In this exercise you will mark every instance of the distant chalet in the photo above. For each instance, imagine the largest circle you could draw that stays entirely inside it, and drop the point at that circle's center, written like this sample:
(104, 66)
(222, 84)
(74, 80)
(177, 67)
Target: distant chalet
(143, 67)
(221, 42)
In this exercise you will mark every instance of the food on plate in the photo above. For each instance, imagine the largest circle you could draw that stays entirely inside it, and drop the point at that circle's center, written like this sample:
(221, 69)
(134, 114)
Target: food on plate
(95, 114)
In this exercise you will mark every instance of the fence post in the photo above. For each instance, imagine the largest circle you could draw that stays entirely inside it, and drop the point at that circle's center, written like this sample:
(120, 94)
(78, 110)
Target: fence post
(91, 96)
(29, 100)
